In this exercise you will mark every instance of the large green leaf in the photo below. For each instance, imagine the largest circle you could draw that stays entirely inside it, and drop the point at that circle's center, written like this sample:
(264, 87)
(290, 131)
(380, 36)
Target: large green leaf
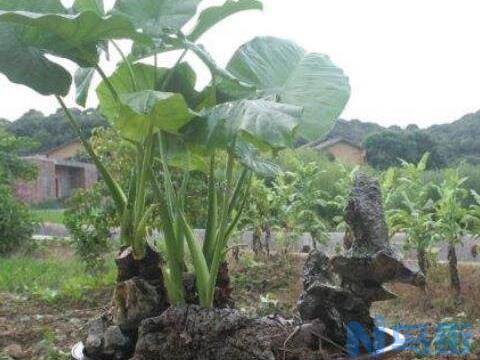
(122, 82)
(75, 37)
(166, 111)
(96, 6)
(29, 66)
(44, 6)
(282, 69)
(213, 15)
(259, 122)
(179, 155)
(146, 78)
(26, 65)
(249, 157)
(154, 17)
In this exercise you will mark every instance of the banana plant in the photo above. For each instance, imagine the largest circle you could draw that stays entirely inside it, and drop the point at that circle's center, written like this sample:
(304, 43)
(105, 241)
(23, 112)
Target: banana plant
(453, 220)
(415, 214)
(271, 92)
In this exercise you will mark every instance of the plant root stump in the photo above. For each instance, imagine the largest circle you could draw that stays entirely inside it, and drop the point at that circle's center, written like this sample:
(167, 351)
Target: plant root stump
(193, 332)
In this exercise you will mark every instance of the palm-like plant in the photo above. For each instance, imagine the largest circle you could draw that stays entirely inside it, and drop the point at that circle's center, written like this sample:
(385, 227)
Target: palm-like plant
(339, 202)
(415, 216)
(452, 219)
(418, 225)
(271, 91)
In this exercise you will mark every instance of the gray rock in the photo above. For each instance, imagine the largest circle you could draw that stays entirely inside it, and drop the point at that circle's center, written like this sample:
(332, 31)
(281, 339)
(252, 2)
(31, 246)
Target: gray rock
(341, 289)
(197, 333)
(133, 301)
(107, 341)
(365, 216)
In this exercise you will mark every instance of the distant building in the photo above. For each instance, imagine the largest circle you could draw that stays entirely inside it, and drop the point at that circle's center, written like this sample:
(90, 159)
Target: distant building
(343, 150)
(58, 175)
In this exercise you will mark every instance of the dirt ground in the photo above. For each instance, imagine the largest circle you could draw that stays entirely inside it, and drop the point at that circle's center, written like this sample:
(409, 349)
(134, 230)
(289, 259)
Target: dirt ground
(33, 329)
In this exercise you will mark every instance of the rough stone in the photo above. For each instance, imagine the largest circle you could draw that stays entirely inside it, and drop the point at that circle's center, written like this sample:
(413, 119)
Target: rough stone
(15, 351)
(341, 289)
(108, 342)
(133, 301)
(193, 332)
(365, 216)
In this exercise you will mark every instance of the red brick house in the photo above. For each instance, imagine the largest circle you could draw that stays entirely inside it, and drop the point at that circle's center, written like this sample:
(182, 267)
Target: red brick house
(58, 175)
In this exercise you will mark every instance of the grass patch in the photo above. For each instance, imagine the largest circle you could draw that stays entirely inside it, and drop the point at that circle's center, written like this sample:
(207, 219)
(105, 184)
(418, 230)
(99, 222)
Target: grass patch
(49, 216)
(51, 280)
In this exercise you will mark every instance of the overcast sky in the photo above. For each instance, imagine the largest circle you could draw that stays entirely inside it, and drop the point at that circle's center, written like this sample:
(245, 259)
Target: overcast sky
(409, 61)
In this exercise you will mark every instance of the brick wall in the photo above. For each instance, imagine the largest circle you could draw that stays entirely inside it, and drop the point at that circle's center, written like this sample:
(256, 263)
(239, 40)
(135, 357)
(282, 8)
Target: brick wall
(56, 179)
(43, 187)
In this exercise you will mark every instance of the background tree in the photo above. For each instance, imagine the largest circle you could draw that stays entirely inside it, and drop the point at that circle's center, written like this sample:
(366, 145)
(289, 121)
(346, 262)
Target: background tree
(16, 221)
(11, 165)
(389, 148)
(415, 213)
(452, 219)
(53, 130)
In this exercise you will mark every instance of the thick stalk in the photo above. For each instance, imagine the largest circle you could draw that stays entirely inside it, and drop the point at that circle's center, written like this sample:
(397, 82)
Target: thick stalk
(212, 221)
(109, 84)
(422, 260)
(452, 262)
(175, 264)
(257, 240)
(220, 239)
(170, 73)
(117, 194)
(140, 216)
(129, 65)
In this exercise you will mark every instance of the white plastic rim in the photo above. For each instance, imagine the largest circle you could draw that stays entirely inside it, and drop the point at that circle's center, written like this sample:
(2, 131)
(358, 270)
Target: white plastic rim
(398, 342)
(77, 352)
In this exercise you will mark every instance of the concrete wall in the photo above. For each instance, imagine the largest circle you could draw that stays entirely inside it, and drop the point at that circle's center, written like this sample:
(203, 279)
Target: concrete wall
(43, 187)
(348, 153)
(57, 179)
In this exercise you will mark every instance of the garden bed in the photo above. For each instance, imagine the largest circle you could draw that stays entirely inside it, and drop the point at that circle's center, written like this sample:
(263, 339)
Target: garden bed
(47, 329)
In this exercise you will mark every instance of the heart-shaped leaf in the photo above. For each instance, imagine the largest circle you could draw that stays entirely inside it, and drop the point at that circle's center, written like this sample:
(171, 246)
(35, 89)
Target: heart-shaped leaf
(26, 65)
(44, 6)
(213, 15)
(249, 157)
(75, 37)
(146, 77)
(29, 66)
(263, 123)
(155, 18)
(96, 6)
(282, 69)
(166, 111)
(179, 155)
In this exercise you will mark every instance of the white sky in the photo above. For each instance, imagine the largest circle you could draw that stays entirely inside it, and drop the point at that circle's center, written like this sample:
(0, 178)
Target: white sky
(409, 61)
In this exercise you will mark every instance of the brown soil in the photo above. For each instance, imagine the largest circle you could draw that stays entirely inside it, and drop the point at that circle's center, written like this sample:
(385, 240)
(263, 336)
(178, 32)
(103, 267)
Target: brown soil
(43, 331)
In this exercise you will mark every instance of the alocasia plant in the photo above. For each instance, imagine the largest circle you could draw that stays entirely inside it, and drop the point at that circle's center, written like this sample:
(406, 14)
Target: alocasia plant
(271, 91)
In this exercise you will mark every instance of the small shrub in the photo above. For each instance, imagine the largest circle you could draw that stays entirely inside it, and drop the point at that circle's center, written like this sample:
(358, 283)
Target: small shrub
(16, 222)
(90, 218)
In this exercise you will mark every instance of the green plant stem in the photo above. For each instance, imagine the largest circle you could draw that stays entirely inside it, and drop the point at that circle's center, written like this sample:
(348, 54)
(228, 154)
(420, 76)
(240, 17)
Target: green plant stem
(220, 239)
(115, 190)
(212, 222)
(129, 64)
(110, 86)
(174, 277)
(167, 79)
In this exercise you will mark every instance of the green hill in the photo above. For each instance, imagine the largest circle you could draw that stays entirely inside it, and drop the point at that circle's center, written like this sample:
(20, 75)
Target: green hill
(456, 141)
(53, 130)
